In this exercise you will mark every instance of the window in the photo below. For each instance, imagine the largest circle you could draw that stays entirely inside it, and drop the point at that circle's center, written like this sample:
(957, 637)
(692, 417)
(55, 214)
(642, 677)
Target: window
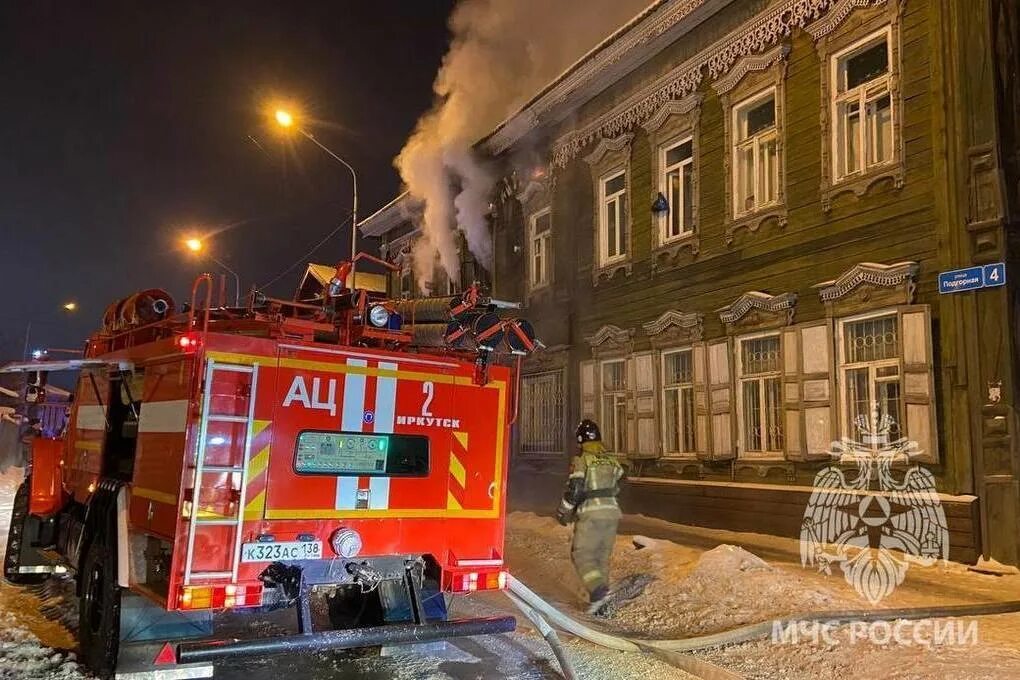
(613, 217)
(760, 395)
(871, 380)
(540, 241)
(542, 415)
(614, 405)
(677, 185)
(677, 403)
(755, 154)
(862, 107)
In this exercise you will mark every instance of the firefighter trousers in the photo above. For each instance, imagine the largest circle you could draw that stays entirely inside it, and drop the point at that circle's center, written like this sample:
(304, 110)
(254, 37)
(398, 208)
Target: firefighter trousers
(592, 547)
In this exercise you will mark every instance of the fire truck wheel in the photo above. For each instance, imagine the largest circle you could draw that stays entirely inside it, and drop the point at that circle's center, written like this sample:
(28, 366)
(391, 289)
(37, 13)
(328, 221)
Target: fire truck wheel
(15, 538)
(99, 609)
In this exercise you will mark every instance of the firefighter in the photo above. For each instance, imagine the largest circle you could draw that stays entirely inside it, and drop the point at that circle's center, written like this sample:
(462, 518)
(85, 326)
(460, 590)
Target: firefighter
(590, 502)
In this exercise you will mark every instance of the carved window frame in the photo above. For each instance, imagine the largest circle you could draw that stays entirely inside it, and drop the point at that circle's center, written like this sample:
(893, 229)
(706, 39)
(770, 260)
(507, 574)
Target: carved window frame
(610, 157)
(675, 122)
(754, 76)
(832, 39)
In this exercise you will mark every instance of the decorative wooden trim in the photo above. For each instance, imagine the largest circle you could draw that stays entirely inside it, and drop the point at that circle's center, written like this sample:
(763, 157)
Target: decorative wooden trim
(682, 107)
(874, 274)
(748, 64)
(868, 286)
(689, 323)
(606, 145)
(837, 14)
(768, 310)
(610, 155)
(751, 84)
(611, 341)
(593, 70)
(763, 31)
(831, 37)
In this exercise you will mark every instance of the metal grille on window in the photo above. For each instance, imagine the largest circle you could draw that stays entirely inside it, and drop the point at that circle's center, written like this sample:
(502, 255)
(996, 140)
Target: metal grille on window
(678, 403)
(761, 398)
(541, 430)
(614, 405)
(872, 381)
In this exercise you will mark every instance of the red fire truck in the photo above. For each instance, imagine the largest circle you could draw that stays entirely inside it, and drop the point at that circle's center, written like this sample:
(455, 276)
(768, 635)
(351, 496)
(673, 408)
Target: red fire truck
(343, 456)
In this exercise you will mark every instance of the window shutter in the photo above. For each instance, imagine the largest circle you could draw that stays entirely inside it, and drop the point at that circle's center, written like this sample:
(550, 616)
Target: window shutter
(588, 393)
(720, 402)
(809, 387)
(918, 379)
(642, 406)
(701, 413)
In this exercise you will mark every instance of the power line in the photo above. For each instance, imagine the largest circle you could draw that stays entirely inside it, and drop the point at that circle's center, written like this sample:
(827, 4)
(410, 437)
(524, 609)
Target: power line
(304, 258)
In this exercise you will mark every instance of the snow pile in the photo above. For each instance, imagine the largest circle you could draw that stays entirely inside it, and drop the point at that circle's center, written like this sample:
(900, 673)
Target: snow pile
(728, 587)
(22, 656)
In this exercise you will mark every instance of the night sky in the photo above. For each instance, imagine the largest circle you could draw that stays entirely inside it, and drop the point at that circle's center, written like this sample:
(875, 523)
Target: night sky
(125, 127)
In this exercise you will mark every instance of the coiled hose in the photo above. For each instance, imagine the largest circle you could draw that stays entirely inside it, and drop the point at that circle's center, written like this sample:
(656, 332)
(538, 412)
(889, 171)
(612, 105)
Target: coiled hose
(668, 649)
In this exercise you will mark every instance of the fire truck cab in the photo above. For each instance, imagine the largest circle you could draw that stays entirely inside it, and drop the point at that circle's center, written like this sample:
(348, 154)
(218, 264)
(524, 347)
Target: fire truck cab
(329, 457)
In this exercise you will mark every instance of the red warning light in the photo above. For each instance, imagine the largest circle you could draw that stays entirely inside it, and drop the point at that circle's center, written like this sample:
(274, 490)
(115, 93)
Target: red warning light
(187, 343)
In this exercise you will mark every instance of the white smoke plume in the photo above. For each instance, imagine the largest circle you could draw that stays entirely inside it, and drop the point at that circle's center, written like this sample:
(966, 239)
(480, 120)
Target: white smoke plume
(501, 54)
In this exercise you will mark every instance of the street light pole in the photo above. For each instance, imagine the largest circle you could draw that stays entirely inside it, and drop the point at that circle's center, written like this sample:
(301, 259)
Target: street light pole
(195, 245)
(286, 120)
(354, 177)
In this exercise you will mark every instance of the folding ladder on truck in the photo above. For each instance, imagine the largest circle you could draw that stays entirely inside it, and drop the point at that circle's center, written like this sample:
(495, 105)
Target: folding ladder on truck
(221, 471)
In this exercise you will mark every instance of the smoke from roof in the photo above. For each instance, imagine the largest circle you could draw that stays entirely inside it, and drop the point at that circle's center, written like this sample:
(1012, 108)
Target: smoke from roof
(502, 52)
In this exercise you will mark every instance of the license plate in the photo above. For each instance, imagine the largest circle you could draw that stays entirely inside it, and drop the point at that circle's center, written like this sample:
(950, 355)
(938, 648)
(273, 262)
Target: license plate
(287, 550)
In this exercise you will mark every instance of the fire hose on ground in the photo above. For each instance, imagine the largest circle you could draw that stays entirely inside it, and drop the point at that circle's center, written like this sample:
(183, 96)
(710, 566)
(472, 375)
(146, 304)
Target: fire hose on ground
(538, 610)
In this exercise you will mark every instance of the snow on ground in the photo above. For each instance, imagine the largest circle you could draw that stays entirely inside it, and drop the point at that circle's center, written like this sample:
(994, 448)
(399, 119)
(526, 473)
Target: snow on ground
(712, 581)
(707, 581)
(28, 614)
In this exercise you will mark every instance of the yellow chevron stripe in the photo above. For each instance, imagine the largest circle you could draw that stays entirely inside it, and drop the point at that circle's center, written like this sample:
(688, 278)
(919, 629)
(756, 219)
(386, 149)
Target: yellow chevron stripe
(255, 508)
(452, 503)
(258, 426)
(258, 464)
(462, 439)
(457, 470)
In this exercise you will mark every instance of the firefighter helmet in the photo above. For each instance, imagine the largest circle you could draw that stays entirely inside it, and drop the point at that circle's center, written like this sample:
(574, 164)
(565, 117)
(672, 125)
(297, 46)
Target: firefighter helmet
(588, 431)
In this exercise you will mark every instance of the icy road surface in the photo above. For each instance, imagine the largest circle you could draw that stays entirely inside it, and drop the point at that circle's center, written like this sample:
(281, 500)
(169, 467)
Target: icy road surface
(37, 643)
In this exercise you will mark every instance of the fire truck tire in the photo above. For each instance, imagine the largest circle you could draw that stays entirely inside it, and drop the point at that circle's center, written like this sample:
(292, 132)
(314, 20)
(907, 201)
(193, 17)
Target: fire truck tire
(99, 607)
(15, 539)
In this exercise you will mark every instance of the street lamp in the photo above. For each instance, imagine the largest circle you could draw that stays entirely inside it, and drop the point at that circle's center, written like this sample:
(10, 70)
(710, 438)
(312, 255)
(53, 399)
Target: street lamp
(196, 245)
(286, 120)
(67, 306)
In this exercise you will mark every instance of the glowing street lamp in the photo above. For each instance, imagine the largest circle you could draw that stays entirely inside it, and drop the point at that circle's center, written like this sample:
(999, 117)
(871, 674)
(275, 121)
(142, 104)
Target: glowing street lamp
(286, 120)
(196, 245)
(71, 306)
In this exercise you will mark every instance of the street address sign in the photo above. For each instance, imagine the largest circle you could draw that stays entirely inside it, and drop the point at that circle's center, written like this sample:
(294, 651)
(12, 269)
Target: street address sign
(973, 278)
